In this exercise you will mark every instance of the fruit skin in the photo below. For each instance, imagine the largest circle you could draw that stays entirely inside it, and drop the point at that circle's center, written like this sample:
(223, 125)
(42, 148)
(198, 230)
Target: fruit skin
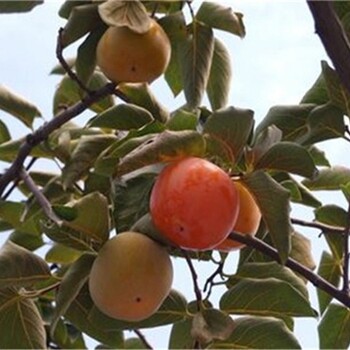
(194, 204)
(127, 56)
(248, 219)
(131, 277)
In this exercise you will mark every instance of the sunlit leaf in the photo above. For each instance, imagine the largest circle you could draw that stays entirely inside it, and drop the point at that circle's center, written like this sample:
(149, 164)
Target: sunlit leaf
(20, 322)
(273, 201)
(169, 145)
(195, 59)
(319, 156)
(218, 16)
(61, 254)
(228, 130)
(260, 297)
(334, 328)
(218, 88)
(259, 333)
(329, 179)
(20, 267)
(330, 269)
(17, 106)
(4, 133)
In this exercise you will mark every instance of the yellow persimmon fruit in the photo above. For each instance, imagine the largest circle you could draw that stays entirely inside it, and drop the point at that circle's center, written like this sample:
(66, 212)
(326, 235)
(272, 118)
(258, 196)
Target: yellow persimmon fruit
(126, 56)
(131, 277)
(248, 218)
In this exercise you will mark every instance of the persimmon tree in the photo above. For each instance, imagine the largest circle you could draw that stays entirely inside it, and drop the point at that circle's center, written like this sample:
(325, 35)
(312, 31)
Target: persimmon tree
(107, 168)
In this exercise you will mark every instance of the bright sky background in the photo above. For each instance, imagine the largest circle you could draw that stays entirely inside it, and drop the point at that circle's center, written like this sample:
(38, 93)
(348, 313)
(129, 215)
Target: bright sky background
(275, 64)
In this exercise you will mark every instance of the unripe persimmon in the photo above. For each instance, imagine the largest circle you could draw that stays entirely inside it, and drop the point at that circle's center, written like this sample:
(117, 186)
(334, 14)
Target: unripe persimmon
(194, 204)
(126, 56)
(131, 277)
(248, 218)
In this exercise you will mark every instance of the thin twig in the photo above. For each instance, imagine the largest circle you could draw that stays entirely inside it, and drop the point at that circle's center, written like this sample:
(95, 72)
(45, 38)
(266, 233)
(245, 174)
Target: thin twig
(43, 132)
(42, 200)
(209, 283)
(315, 279)
(333, 37)
(318, 225)
(143, 339)
(197, 290)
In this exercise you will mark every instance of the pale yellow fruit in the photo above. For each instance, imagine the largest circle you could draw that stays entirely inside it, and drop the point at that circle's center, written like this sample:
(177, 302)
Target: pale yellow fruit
(131, 277)
(126, 56)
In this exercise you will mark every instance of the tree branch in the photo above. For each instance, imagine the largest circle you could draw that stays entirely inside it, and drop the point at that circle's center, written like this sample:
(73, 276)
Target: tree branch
(346, 255)
(316, 280)
(318, 225)
(43, 132)
(333, 37)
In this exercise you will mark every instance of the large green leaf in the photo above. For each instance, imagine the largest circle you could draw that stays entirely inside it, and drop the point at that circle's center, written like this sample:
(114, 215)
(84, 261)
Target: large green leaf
(266, 297)
(218, 87)
(290, 157)
(228, 131)
(84, 156)
(122, 117)
(131, 200)
(273, 202)
(259, 333)
(20, 322)
(17, 106)
(169, 145)
(329, 179)
(317, 93)
(330, 269)
(195, 58)
(334, 328)
(73, 280)
(218, 16)
(180, 335)
(10, 6)
(301, 250)
(20, 267)
(267, 270)
(181, 119)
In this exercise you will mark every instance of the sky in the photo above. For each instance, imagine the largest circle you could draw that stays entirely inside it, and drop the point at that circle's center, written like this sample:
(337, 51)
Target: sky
(276, 63)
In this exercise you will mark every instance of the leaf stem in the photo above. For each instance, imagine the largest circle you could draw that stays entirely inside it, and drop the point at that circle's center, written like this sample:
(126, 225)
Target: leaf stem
(318, 225)
(315, 279)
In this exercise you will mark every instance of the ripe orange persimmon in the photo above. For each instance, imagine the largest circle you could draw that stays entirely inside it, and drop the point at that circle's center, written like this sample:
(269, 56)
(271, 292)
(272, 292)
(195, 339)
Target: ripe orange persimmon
(126, 56)
(131, 277)
(194, 204)
(248, 218)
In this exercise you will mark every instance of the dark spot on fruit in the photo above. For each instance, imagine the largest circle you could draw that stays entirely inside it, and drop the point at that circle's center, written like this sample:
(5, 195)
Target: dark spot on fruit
(133, 68)
(138, 299)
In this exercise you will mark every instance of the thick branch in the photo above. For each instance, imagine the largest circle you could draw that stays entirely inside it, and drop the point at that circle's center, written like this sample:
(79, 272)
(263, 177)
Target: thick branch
(43, 132)
(333, 38)
(316, 280)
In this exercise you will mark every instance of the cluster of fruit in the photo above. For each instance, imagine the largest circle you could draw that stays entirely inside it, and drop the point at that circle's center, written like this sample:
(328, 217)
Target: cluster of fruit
(194, 204)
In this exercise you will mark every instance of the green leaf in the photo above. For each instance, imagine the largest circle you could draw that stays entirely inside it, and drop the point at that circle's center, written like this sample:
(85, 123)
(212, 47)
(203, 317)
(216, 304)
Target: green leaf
(258, 297)
(265, 270)
(17, 106)
(131, 200)
(122, 117)
(334, 328)
(82, 19)
(20, 267)
(328, 179)
(218, 87)
(61, 254)
(319, 156)
(72, 282)
(182, 119)
(337, 217)
(273, 201)
(211, 324)
(289, 157)
(331, 270)
(180, 335)
(175, 27)
(134, 343)
(26, 240)
(318, 93)
(195, 59)
(228, 130)
(338, 94)
(169, 145)
(259, 333)
(221, 17)
(20, 322)
(291, 120)
(84, 156)
(141, 95)
(4, 133)
(10, 6)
